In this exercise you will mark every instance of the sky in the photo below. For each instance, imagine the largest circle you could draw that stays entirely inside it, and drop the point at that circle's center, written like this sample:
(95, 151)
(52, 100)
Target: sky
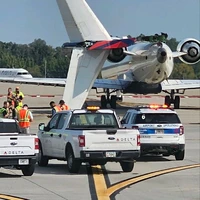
(22, 21)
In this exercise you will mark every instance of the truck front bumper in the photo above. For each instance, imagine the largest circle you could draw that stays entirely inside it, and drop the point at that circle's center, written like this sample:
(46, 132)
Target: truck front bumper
(110, 155)
(17, 160)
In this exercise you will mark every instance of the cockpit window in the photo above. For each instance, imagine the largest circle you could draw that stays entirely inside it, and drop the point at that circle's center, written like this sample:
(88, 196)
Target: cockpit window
(22, 73)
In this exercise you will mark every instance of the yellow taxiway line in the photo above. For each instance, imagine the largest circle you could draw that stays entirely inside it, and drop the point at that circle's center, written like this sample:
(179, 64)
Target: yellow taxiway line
(8, 197)
(104, 193)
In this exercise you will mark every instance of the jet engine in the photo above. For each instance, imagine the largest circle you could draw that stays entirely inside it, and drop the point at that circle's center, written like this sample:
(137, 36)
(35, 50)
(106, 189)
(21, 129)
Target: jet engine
(116, 55)
(192, 48)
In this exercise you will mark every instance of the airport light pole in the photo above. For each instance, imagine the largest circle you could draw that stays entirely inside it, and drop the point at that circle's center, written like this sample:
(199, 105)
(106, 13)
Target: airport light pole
(45, 68)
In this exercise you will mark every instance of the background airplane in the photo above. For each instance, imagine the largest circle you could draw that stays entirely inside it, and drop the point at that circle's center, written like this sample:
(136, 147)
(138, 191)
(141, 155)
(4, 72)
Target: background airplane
(22, 76)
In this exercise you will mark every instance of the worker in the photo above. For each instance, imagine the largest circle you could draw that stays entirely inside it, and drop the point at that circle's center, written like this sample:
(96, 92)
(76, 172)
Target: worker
(63, 106)
(4, 112)
(24, 117)
(18, 94)
(10, 96)
(11, 111)
(54, 108)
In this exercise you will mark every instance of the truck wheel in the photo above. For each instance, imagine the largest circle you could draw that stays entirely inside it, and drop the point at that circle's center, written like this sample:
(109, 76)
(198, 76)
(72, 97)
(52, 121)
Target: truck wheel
(72, 163)
(42, 160)
(127, 166)
(28, 170)
(180, 155)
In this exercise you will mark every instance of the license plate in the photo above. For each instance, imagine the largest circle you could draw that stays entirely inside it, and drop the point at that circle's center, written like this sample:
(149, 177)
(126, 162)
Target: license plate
(23, 161)
(159, 131)
(110, 154)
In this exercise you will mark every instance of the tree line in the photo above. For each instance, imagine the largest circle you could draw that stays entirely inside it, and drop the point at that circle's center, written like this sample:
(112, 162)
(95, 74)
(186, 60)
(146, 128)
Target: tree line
(43, 60)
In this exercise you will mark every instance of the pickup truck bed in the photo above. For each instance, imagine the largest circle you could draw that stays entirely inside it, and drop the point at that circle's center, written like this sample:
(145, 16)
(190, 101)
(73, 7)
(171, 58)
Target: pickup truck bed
(16, 149)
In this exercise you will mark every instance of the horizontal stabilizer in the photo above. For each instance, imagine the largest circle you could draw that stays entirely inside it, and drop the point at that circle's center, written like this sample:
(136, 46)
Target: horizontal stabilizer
(101, 45)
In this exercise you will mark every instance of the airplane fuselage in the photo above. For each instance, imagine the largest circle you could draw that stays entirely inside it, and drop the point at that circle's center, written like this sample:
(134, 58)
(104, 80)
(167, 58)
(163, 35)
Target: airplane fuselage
(9, 73)
(153, 66)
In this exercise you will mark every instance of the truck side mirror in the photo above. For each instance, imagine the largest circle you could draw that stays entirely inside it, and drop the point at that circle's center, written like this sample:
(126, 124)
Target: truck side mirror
(122, 121)
(41, 126)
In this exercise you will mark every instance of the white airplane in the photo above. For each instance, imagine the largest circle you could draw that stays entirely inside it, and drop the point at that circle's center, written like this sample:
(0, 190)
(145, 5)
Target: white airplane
(22, 76)
(147, 71)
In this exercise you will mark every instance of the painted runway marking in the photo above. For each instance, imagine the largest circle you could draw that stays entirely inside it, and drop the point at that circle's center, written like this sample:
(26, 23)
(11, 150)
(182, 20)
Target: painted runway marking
(104, 193)
(9, 197)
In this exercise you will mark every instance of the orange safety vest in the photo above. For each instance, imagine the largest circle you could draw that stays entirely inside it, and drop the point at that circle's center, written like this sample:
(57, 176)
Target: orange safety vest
(57, 108)
(65, 107)
(24, 118)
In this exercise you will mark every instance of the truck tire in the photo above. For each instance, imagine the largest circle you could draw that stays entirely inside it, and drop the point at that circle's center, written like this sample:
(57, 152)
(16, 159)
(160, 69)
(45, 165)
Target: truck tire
(127, 166)
(72, 163)
(180, 155)
(42, 160)
(28, 170)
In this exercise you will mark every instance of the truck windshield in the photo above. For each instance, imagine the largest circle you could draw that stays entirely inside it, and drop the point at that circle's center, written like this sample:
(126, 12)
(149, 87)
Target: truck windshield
(157, 118)
(93, 121)
(9, 127)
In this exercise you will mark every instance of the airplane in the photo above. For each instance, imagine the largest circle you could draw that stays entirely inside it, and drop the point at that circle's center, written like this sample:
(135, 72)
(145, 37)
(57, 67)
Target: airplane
(22, 76)
(147, 71)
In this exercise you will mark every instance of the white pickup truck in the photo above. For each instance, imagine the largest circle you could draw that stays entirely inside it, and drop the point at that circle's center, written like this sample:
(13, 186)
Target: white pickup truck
(88, 135)
(16, 149)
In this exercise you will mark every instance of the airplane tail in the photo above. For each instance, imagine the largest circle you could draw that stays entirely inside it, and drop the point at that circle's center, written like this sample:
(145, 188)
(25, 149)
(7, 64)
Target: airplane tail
(80, 21)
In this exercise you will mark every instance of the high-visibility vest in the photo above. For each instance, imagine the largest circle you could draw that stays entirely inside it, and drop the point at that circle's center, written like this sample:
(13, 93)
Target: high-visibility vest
(18, 95)
(1, 112)
(18, 108)
(23, 118)
(65, 107)
(20, 104)
(57, 108)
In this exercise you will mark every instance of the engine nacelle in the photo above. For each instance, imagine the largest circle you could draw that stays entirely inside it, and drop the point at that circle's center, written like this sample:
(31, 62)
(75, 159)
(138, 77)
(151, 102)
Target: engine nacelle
(116, 55)
(192, 48)
(143, 88)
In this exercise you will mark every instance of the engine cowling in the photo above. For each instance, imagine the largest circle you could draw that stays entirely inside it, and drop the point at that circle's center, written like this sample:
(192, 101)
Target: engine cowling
(116, 55)
(192, 48)
(143, 88)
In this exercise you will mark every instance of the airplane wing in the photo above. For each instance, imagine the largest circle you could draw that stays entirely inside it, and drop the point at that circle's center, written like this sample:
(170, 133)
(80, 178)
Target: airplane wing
(117, 84)
(173, 84)
(35, 81)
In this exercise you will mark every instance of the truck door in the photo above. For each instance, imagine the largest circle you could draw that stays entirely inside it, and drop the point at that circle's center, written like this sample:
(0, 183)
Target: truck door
(59, 137)
(47, 136)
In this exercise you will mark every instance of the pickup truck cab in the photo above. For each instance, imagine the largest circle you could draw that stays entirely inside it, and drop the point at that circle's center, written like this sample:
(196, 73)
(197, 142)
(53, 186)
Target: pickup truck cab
(88, 135)
(161, 130)
(17, 149)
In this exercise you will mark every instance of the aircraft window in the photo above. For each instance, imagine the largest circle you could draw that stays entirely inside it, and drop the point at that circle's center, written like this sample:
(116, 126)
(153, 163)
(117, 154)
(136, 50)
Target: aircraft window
(22, 73)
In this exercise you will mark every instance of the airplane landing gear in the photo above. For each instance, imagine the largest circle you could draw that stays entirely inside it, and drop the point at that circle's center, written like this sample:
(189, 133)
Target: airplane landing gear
(106, 99)
(172, 99)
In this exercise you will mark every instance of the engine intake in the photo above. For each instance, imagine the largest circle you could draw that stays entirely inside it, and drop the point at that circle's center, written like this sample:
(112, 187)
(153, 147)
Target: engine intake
(116, 55)
(192, 48)
(143, 88)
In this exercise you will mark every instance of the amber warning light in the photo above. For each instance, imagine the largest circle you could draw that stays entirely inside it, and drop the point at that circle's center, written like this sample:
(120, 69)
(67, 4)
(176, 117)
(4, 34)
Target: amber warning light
(93, 108)
(158, 106)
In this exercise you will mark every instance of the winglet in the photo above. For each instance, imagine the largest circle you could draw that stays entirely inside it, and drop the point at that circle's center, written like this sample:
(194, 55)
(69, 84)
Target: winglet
(80, 21)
